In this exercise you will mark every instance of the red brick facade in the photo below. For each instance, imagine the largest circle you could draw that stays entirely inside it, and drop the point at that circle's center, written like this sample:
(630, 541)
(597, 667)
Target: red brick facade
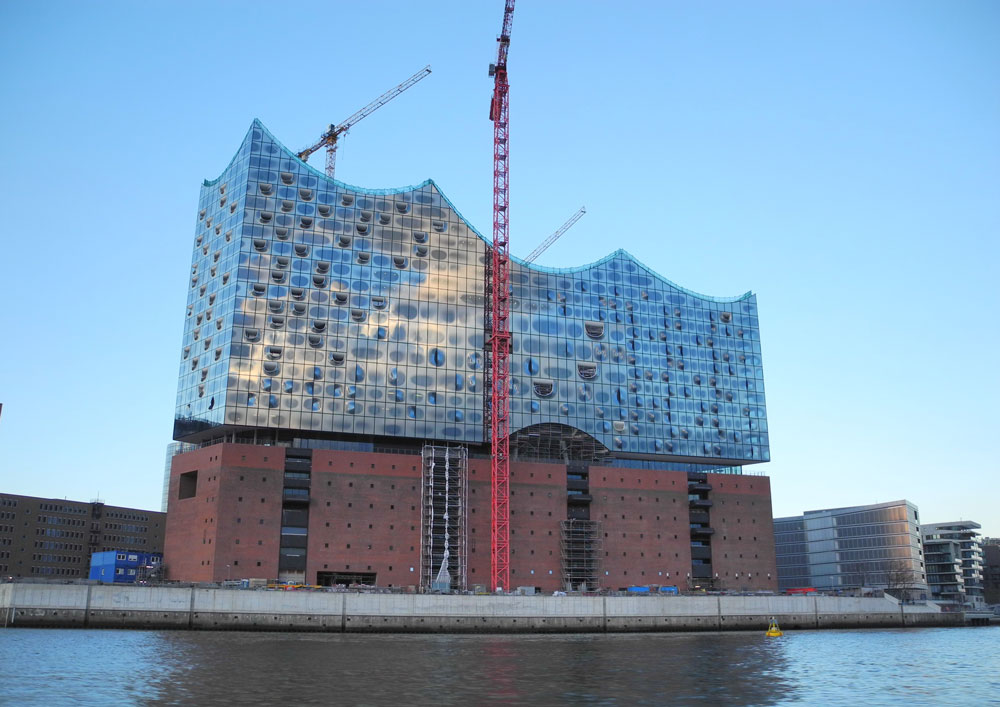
(233, 519)
(743, 552)
(644, 517)
(364, 516)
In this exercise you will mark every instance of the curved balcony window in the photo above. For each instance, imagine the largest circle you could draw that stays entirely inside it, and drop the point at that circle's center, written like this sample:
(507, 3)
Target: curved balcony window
(595, 330)
(587, 371)
(543, 388)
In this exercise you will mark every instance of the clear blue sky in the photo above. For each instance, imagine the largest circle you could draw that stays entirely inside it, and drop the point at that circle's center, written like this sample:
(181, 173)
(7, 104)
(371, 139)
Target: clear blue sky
(840, 159)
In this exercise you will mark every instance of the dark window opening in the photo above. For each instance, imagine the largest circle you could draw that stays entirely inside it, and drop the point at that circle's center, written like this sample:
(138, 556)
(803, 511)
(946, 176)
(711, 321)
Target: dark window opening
(188, 486)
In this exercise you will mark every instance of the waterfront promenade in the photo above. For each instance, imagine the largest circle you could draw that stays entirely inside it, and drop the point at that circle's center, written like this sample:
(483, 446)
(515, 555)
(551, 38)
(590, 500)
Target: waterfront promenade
(108, 606)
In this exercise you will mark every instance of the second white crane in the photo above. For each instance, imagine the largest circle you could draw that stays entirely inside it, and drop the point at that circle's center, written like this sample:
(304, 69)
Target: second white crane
(555, 236)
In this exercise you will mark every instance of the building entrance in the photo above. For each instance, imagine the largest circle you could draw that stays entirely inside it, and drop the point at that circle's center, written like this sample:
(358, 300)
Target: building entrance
(344, 579)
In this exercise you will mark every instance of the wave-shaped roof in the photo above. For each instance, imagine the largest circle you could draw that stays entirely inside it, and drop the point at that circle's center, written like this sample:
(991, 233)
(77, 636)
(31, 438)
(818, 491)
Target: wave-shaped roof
(620, 253)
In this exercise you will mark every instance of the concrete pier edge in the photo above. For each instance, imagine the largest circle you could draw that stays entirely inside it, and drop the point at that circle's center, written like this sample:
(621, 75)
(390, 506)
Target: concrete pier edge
(109, 606)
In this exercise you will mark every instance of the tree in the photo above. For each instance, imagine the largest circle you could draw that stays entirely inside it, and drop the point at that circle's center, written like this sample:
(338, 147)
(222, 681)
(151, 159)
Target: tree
(900, 577)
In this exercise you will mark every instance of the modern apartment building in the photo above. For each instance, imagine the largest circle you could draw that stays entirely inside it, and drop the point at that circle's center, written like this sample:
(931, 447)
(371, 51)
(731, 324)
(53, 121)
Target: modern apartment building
(333, 378)
(55, 538)
(853, 548)
(954, 559)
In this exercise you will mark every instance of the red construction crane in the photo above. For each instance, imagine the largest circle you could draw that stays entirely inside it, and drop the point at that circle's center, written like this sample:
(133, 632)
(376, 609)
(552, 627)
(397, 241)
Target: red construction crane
(544, 246)
(329, 138)
(497, 312)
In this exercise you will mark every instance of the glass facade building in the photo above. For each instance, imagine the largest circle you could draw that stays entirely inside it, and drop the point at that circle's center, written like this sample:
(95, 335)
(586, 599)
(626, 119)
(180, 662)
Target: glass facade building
(876, 546)
(332, 393)
(328, 312)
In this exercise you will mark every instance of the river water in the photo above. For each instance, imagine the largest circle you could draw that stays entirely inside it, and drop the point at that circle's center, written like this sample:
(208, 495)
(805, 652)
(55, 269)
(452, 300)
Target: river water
(958, 666)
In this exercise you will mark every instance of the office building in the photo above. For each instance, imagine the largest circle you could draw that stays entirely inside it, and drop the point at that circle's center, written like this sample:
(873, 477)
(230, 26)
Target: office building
(991, 571)
(333, 377)
(55, 538)
(853, 548)
(954, 561)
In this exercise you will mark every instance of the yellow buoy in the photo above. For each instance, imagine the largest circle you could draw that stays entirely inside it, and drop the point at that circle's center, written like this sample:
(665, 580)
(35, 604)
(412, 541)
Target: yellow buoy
(772, 630)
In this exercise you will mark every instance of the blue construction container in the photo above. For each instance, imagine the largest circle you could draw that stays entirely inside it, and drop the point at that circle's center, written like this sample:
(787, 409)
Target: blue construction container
(124, 566)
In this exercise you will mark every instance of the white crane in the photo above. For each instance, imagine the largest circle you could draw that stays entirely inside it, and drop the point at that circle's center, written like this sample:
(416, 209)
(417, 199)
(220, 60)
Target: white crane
(329, 138)
(555, 236)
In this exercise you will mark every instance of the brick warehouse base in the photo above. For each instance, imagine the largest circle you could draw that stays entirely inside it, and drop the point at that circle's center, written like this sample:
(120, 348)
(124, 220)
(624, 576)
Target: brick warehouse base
(227, 504)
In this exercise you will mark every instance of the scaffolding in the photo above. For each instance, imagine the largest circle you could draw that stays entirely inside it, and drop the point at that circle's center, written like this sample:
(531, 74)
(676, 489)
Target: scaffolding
(443, 500)
(580, 543)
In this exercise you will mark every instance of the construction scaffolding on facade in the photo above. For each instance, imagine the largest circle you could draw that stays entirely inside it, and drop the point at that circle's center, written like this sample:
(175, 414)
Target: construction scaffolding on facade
(443, 500)
(580, 543)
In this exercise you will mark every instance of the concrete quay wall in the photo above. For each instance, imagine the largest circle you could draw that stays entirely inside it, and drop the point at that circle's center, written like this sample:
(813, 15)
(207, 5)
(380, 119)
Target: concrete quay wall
(109, 606)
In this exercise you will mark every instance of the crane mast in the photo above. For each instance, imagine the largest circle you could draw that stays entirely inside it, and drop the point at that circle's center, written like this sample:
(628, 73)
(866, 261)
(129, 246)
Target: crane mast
(329, 138)
(544, 246)
(497, 312)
